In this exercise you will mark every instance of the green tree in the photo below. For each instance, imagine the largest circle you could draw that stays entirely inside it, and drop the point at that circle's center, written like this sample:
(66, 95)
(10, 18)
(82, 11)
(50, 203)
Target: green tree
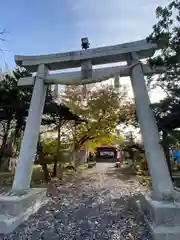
(14, 106)
(14, 103)
(103, 110)
(105, 140)
(55, 118)
(166, 33)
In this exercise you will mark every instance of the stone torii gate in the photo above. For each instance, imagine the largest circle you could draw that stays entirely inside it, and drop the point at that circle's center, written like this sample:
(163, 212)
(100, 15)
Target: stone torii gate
(132, 53)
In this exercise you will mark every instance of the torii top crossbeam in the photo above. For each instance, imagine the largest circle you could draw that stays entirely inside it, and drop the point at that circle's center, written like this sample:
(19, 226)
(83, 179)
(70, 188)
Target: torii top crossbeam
(101, 55)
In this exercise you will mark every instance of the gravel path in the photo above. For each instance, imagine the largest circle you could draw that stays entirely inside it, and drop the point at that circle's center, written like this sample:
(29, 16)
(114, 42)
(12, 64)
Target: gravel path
(98, 205)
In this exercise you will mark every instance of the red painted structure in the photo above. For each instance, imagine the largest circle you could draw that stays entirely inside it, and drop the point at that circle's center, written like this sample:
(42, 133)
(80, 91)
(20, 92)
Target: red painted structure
(111, 152)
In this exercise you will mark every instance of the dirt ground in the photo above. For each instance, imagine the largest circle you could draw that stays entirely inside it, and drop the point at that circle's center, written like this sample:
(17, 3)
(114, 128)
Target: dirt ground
(98, 204)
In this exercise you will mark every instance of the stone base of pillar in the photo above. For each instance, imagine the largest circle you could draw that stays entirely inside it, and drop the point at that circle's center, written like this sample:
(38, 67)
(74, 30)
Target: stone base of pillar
(162, 218)
(16, 209)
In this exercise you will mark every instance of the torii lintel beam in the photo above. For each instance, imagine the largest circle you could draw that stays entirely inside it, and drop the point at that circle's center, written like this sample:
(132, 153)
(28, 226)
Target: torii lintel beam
(98, 75)
(101, 55)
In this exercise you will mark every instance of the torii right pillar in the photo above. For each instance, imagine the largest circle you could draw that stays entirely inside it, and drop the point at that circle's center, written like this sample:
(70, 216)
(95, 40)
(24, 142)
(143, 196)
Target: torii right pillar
(158, 169)
(162, 209)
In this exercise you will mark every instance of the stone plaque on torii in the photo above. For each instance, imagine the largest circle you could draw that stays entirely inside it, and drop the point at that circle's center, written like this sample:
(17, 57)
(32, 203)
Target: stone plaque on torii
(131, 53)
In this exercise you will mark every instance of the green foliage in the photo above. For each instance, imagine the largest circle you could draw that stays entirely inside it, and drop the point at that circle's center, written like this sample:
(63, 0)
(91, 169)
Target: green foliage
(145, 181)
(50, 151)
(14, 101)
(49, 146)
(14, 106)
(104, 140)
(166, 33)
(103, 110)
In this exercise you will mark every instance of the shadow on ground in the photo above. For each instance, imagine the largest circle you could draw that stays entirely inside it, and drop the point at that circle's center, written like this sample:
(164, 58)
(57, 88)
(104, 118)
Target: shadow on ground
(105, 160)
(121, 173)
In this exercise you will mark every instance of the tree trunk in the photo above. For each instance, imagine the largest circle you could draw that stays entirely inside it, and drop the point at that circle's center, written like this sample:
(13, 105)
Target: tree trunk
(5, 165)
(166, 151)
(7, 153)
(46, 172)
(60, 171)
(10, 144)
(5, 137)
(75, 158)
(40, 152)
(6, 134)
(19, 131)
(58, 149)
(55, 168)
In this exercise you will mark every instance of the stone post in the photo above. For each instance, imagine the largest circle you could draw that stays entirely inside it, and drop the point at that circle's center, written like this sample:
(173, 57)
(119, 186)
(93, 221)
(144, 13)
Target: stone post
(55, 91)
(29, 143)
(160, 177)
(116, 83)
(86, 72)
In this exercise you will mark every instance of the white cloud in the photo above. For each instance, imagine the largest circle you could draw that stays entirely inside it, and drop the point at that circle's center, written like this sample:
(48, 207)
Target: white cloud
(112, 22)
(115, 21)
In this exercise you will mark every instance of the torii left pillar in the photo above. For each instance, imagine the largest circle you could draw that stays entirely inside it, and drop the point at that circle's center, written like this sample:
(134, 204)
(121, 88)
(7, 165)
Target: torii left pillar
(29, 143)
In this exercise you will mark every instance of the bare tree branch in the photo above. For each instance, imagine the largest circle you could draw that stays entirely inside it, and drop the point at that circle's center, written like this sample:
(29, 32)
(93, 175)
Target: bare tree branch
(3, 34)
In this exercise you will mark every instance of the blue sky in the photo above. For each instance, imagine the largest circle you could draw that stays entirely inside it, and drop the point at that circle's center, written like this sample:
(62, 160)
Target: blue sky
(49, 26)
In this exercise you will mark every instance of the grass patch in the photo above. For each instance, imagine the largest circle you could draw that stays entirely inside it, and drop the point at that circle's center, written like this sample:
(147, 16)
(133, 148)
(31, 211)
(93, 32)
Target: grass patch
(145, 181)
(6, 178)
(91, 164)
(83, 166)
